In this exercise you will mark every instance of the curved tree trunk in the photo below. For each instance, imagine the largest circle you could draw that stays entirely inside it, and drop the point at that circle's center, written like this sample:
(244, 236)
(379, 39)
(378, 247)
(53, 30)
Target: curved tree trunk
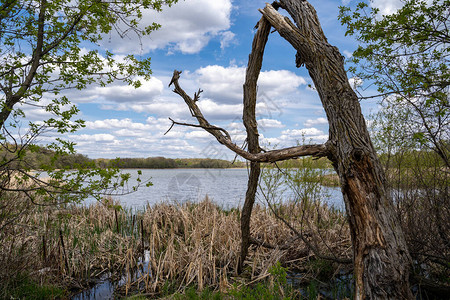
(251, 126)
(381, 258)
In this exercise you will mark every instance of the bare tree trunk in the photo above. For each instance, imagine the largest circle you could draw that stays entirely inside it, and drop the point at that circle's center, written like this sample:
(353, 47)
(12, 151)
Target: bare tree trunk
(251, 126)
(381, 258)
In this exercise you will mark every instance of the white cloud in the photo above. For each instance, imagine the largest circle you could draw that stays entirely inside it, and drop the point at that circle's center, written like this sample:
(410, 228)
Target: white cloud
(276, 83)
(127, 128)
(158, 121)
(121, 92)
(302, 132)
(270, 123)
(318, 121)
(227, 38)
(173, 134)
(222, 97)
(160, 107)
(387, 6)
(307, 135)
(34, 113)
(128, 138)
(347, 53)
(224, 84)
(97, 138)
(115, 123)
(187, 27)
(128, 133)
(118, 93)
(355, 82)
(197, 134)
(215, 110)
(236, 125)
(271, 142)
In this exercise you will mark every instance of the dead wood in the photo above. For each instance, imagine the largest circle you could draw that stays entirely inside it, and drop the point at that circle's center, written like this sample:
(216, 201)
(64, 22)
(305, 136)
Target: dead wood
(381, 258)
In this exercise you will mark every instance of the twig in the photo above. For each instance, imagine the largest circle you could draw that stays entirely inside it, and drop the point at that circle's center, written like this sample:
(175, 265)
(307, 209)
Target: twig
(64, 250)
(211, 127)
(222, 136)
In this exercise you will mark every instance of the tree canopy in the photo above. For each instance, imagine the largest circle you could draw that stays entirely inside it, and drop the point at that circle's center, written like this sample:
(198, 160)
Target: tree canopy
(406, 55)
(46, 48)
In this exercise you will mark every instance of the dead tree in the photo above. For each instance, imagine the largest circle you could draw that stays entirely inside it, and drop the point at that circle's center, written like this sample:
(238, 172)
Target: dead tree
(381, 258)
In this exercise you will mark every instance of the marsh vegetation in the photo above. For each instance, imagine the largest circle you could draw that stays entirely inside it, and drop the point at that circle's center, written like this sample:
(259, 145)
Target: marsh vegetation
(193, 248)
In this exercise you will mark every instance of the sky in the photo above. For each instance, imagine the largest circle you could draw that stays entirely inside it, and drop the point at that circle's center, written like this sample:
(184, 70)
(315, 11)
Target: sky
(209, 40)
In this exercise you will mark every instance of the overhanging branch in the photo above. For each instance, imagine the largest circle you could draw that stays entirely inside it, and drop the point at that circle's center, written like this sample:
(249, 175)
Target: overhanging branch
(223, 137)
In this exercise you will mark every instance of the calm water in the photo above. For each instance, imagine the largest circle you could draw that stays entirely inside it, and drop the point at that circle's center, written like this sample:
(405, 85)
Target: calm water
(226, 187)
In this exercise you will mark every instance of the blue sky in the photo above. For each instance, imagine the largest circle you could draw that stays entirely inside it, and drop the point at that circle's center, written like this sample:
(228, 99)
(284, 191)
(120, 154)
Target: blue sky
(209, 40)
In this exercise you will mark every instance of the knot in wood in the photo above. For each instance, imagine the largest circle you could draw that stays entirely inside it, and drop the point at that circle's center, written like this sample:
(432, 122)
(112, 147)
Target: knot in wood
(299, 61)
(357, 154)
(276, 5)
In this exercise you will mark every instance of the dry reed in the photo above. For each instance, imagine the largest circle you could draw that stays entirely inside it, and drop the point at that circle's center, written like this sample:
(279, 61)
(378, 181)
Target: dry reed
(199, 244)
(188, 245)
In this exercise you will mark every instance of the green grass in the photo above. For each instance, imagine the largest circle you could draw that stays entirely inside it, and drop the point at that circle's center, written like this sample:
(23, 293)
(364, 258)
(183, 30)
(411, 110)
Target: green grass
(22, 287)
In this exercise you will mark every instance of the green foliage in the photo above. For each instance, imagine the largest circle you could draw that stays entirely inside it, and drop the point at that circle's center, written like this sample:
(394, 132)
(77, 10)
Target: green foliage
(312, 290)
(37, 157)
(192, 294)
(280, 284)
(406, 55)
(258, 291)
(46, 48)
(57, 48)
(276, 288)
(22, 287)
(298, 178)
(323, 269)
(169, 163)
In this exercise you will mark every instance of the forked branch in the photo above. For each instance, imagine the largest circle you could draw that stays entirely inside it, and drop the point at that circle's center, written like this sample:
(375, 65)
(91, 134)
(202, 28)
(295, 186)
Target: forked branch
(223, 137)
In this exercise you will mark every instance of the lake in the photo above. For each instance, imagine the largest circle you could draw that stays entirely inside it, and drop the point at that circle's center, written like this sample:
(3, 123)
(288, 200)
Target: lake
(225, 187)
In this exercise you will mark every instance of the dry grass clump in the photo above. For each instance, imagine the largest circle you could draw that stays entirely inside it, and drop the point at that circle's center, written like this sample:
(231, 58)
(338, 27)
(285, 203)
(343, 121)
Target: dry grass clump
(191, 244)
(199, 244)
(331, 180)
(425, 216)
(67, 246)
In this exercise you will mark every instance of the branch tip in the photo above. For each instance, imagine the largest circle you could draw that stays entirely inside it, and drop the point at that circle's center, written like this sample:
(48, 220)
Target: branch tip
(175, 77)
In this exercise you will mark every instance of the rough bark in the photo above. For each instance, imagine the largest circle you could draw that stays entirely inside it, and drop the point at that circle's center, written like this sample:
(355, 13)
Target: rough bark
(381, 258)
(11, 97)
(251, 126)
(223, 137)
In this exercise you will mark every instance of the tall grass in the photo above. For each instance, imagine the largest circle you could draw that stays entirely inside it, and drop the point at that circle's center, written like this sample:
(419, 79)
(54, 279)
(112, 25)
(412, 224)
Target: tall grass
(198, 244)
(65, 245)
(195, 246)
(188, 245)
(420, 185)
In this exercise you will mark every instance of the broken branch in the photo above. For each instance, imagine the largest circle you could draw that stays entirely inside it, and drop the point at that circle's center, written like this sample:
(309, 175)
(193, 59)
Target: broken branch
(222, 136)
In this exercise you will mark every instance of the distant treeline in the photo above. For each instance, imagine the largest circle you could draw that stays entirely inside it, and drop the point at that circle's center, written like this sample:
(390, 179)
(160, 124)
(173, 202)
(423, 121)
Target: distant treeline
(167, 163)
(37, 157)
(306, 162)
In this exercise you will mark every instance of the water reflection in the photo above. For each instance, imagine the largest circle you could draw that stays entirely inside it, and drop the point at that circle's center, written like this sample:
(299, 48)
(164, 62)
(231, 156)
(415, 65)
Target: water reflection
(104, 289)
(225, 187)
